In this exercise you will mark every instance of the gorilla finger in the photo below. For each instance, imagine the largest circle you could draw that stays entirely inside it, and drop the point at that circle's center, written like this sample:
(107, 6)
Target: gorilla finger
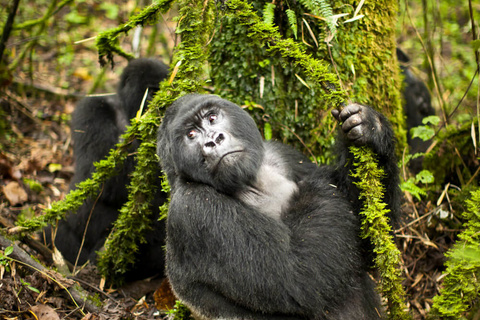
(352, 122)
(335, 114)
(350, 110)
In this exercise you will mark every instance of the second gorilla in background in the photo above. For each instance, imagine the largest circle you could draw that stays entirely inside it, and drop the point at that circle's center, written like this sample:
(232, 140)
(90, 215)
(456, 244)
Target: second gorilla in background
(97, 124)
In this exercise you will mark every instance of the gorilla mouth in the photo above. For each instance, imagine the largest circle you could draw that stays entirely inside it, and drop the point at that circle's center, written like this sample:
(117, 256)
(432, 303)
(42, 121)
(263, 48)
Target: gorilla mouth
(227, 155)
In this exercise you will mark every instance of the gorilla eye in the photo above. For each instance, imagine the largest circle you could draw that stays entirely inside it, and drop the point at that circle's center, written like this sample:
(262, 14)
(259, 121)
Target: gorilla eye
(212, 117)
(191, 134)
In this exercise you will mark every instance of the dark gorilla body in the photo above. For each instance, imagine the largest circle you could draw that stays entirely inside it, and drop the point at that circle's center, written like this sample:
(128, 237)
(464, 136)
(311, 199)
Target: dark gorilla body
(97, 124)
(255, 230)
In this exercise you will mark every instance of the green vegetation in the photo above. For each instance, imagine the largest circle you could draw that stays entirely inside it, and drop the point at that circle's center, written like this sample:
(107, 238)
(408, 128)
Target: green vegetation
(461, 286)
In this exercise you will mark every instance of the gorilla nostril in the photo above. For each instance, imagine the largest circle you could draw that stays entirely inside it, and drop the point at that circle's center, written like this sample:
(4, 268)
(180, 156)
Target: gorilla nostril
(210, 144)
(220, 138)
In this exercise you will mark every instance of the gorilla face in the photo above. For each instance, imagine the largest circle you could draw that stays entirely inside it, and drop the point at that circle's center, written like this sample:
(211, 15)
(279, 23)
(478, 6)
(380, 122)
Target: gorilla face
(212, 141)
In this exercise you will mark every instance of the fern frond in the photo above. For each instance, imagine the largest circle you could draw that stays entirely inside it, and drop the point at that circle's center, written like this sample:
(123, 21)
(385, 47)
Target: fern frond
(292, 21)
(321, 8)
(269, 13)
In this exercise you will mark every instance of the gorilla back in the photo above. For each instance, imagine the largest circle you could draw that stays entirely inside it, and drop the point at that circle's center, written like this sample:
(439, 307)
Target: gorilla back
(97, 124)
(256, 231)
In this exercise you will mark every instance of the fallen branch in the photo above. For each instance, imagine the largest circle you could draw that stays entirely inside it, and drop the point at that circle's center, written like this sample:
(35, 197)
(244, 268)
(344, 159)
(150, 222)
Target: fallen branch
(79, 296)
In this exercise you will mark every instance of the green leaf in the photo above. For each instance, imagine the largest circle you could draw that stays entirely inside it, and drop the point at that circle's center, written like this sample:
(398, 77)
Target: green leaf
(423, 132)
(8, 251)
(267, 131)
(435, 120)
(425, 176)
(33, 289)
(264, 63)
(413, 189)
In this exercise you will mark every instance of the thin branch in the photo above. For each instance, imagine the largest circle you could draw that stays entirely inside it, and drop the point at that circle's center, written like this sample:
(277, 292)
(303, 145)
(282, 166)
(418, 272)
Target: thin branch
(8, 27)
(79, 296)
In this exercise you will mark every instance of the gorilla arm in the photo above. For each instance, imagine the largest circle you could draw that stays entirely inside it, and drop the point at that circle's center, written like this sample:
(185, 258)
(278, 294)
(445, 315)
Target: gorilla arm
(205, 234)
(227, 255)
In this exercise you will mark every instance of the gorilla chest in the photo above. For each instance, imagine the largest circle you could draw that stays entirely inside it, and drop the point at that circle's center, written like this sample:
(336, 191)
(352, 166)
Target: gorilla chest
(271, 193)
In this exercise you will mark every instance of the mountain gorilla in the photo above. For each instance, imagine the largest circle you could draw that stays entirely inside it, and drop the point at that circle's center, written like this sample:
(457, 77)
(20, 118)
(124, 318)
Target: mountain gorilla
(97, 124)
(255, 230)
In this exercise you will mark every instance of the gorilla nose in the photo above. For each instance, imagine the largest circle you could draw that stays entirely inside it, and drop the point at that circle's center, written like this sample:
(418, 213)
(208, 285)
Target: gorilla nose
(214, 140)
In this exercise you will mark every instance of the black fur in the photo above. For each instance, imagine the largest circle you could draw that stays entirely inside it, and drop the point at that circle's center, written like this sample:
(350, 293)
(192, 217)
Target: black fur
(97, 124)
(255, 230)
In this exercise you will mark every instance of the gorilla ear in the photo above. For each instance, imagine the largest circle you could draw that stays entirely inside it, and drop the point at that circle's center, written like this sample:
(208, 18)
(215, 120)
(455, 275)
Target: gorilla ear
(164, 150)
(164, 143)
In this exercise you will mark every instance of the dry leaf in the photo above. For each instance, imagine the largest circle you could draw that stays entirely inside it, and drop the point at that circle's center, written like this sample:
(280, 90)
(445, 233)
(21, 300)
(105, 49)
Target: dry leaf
(44, 312)
(164, 297)
(14, 193)
(82, 73)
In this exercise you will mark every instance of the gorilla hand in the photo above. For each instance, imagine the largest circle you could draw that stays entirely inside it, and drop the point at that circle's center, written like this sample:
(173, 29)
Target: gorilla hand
(360, 124)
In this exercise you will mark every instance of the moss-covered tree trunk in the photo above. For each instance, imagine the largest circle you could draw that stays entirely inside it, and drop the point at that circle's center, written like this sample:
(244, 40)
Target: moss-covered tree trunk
(279, 93)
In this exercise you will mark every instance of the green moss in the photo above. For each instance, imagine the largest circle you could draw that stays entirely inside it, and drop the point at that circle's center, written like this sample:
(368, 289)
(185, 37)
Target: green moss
(376, 228)
(107, 42)
(461, 286)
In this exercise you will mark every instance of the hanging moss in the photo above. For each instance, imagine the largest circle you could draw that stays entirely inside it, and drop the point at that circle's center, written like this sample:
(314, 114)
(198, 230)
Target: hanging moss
(89, 188)
(135, 216)
(376, 228)
(107, 42)
(461, 287)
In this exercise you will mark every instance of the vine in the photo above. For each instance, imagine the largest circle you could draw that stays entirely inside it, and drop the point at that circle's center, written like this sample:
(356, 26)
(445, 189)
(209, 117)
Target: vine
(375, 227)
(107, 42)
